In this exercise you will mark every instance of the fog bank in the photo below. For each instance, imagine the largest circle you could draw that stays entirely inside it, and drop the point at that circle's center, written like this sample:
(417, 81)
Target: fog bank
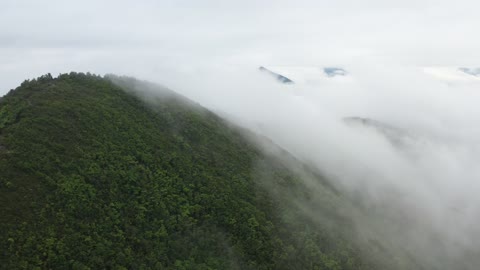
(411, 166)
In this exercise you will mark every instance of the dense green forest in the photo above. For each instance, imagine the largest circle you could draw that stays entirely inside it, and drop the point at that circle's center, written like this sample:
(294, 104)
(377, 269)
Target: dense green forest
(96, 174)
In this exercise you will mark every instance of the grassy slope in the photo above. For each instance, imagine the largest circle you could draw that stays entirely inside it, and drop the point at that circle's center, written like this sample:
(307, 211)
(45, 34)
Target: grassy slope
(92, 177)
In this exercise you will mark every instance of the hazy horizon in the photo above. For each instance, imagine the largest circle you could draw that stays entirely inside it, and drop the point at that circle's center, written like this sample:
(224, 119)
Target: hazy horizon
(157, 39)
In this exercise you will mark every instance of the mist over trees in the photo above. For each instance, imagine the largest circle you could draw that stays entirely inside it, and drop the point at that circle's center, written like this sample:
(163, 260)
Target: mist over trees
(93, 177)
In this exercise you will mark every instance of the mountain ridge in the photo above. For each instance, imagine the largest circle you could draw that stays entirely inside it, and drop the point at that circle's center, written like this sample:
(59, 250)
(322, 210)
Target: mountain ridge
(93, 177)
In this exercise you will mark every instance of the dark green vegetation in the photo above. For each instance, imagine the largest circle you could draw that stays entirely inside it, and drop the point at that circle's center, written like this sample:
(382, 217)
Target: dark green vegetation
(92, 177)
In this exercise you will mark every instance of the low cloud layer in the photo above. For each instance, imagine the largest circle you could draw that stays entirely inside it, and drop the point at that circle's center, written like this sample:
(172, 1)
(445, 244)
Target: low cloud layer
(413, 170)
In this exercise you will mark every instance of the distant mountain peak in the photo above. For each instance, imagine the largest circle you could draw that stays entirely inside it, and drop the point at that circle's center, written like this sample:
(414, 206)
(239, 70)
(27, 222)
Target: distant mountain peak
(470, 71)
(334, 71)
(306, 74)
(454, 74)
(279, 77)
(394, 134)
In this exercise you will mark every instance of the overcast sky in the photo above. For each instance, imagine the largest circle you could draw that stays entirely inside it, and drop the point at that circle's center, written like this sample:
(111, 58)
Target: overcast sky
(151, 39)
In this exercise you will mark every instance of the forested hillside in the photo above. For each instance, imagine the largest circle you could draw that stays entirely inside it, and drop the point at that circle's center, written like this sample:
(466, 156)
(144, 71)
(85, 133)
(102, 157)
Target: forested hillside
(94, 177)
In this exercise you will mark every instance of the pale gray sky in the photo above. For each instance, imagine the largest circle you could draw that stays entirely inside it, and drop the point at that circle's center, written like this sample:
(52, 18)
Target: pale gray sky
(149, 38)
